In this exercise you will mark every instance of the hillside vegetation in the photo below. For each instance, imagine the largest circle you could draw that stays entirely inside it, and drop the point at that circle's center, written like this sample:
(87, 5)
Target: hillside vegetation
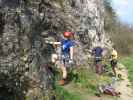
(84, 87)
(120, 33)
(128, 62)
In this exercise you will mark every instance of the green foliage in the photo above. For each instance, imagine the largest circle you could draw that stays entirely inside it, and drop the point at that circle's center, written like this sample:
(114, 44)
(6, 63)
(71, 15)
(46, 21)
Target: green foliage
(120, 33)
(108, 7)
(83, 81)
(110, 16)
(88, 80)
(122, 38)
(62, 94)
(128, 63)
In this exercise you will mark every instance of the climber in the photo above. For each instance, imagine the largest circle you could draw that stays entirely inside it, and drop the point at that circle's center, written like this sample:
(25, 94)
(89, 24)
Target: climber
(113, 60)
(66, 55)
(98, 54)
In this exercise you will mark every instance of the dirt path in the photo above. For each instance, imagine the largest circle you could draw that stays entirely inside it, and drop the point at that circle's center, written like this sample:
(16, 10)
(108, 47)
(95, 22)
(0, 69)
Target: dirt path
(124, 86)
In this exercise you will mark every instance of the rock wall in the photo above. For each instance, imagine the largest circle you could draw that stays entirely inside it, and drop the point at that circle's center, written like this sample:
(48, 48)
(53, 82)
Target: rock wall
(24, 26)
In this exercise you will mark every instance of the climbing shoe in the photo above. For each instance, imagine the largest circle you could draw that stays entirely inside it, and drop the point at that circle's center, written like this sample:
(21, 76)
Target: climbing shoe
(62, 82)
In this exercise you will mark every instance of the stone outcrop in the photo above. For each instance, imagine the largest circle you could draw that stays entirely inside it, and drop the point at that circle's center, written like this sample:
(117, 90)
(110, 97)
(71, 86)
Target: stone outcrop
(24, 25)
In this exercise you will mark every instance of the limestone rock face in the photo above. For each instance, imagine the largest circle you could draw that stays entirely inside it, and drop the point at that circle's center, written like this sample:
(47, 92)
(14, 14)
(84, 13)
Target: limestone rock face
(24, 25)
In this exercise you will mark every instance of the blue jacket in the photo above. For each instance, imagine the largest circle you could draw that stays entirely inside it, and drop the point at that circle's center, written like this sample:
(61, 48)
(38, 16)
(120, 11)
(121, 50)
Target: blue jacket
(66, 45)
(98, 51)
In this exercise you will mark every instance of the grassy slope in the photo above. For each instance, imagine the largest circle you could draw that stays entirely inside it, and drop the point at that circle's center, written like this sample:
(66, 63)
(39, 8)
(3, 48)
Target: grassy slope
(83, 87)
(62, 94)
(128, 62)
(86, 84)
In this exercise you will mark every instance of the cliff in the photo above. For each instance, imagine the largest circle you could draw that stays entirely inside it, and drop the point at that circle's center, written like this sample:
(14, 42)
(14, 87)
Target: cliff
(24, 26)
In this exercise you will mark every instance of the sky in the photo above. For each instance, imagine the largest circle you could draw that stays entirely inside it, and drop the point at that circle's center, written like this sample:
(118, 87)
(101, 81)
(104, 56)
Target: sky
(124, 9)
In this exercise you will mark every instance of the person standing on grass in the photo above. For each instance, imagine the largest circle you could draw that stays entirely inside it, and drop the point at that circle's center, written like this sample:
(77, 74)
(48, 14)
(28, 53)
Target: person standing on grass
(98, 54)
(113, 60)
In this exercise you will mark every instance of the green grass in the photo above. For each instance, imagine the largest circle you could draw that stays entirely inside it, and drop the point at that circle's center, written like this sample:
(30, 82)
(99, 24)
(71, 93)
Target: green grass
(62, 94)
(128, 63)
(86, 80)
(83, 82)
